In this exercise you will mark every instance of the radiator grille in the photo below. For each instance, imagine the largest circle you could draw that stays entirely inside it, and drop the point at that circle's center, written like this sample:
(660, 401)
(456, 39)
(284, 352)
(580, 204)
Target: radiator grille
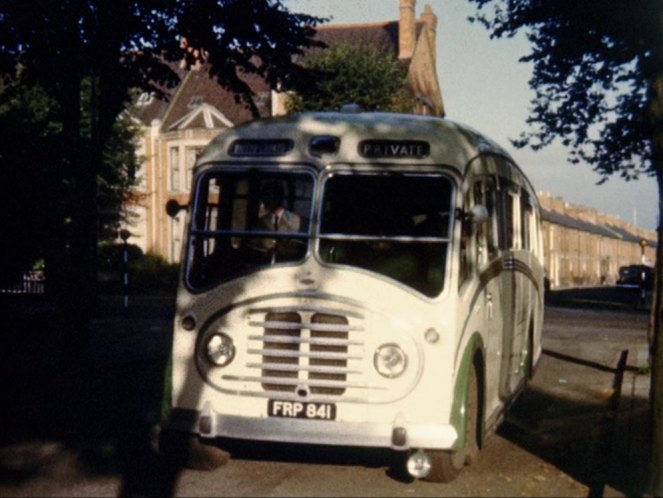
(342, 334)
(305, 352)
(281, 351)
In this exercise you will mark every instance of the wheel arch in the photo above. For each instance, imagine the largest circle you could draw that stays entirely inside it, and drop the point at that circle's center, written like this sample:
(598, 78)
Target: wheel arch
(473, 358)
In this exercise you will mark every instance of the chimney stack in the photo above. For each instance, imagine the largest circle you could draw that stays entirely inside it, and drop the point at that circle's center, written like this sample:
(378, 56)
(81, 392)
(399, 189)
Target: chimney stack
(430, 19)
(406, 29)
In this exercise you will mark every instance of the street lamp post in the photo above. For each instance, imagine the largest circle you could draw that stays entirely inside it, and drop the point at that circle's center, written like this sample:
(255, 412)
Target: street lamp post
(643, 275)
(124, 235)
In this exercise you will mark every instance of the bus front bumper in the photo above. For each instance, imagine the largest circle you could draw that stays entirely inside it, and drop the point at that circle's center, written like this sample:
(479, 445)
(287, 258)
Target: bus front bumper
(399, 435)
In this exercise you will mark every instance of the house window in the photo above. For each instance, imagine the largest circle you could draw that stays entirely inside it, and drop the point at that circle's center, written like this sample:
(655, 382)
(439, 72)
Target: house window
(176, 231)
(174, 166)
(190, 156)
(511, 216)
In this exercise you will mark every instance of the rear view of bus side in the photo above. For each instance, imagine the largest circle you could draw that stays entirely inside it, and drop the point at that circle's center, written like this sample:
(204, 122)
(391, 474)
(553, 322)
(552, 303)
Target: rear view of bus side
(356, 279)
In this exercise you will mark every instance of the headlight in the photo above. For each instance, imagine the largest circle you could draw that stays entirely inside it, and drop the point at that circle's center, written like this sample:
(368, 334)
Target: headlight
(220, 349)
(390, 360)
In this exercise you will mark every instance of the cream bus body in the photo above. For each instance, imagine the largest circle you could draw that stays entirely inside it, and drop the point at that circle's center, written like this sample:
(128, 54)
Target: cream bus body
(406, 313)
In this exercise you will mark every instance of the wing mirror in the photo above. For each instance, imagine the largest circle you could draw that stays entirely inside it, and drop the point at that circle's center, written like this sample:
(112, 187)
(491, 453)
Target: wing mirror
(479, 214)
(173, 208)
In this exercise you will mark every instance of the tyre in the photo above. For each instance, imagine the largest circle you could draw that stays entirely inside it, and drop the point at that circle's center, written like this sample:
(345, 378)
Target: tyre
(190, 451)
(447, 465)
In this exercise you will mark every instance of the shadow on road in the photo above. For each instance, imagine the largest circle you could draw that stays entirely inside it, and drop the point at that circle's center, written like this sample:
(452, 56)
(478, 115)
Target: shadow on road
(95, 409)
(600, 297)
(601, 440)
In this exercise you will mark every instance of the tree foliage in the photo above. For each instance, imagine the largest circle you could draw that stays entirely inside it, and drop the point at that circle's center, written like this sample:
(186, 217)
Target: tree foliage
(594, 67)
(352, 73)
(125, 43)
(107, 48)
(117, 177)
(34, 192)
(29, 138)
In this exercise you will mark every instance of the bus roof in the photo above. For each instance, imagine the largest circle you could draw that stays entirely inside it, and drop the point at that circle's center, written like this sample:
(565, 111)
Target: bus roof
(360, 137)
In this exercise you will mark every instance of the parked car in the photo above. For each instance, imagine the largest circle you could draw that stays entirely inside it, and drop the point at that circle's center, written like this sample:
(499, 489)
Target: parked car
(641, 276)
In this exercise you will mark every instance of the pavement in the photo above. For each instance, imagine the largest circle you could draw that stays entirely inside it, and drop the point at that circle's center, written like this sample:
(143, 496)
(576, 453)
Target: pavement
(90, 418)
(587, 409)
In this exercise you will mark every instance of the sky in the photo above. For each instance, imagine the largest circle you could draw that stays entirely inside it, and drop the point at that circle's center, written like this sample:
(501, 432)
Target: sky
(483, 85)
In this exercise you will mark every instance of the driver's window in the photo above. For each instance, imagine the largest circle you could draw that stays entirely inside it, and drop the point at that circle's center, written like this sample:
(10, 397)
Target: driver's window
(244, 219)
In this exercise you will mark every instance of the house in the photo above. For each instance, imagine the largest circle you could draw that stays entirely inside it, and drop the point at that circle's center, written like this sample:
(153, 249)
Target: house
(412, 41)
(176, 128)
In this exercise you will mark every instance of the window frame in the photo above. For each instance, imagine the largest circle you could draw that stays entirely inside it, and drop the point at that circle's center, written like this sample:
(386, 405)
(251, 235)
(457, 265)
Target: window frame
(203, 234)
(447, 240)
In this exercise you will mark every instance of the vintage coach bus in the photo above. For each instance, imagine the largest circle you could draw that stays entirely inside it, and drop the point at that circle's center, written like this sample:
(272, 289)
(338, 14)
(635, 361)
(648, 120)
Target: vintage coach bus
(365, 279)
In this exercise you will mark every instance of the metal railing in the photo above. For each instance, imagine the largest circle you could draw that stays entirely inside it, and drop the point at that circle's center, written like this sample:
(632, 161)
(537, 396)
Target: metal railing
(30, 282)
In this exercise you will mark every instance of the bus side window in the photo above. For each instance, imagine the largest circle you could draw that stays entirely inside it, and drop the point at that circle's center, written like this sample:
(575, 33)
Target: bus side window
(510, 215)
(485, 193)
(465, 241)
(509, 220)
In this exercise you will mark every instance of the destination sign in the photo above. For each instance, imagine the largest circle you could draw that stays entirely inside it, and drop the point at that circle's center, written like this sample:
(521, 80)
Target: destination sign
(261, 148)
(394, 148)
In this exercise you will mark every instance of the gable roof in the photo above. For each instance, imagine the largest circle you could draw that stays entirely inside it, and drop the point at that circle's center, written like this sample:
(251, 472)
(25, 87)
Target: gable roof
(382, 35)
(202, 115)
(149, 106)
(199, 88)
(199, 100)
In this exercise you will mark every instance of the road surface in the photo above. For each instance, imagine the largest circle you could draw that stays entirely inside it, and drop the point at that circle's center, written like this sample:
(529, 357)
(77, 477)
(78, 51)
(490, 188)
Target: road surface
(88, 432)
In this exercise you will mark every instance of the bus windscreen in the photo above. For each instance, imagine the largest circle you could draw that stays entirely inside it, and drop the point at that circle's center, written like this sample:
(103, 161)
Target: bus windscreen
(396, 225)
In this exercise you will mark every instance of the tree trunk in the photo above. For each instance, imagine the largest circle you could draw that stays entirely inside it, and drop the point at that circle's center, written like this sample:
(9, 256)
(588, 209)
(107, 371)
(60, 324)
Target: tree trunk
(656, 322)
(74, 289)
(656, 355)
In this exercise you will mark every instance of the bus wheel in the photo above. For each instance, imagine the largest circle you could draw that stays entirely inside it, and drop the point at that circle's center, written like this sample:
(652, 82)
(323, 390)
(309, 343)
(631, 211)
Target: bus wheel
(190, 451)
(447, 465)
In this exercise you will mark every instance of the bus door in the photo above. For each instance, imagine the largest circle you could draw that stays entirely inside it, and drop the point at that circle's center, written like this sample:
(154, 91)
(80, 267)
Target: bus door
(491, 282)
(526, 295)
(513, 300)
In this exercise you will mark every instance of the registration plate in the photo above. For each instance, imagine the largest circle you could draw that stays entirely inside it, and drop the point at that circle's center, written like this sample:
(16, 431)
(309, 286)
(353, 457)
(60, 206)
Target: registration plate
(301, 409)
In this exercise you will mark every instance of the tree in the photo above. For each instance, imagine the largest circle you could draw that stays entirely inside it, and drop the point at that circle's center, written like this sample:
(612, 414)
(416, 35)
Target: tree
(29, 119)
(112, 46)
(26, 117)
(598, 82)
(352, 73)
(117, 177)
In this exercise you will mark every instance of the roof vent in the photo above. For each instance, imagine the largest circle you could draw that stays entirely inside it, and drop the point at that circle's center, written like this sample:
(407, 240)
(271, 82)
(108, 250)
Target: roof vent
(351, 108)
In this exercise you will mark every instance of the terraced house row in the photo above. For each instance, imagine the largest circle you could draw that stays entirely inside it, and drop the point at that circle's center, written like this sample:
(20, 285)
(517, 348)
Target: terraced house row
(585, 247)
